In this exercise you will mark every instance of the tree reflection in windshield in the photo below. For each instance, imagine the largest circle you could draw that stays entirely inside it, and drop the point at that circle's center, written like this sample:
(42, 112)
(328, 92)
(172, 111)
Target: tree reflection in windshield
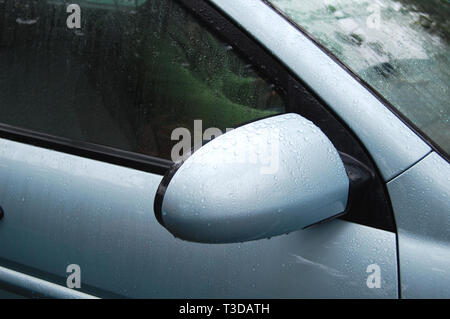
(400, 47)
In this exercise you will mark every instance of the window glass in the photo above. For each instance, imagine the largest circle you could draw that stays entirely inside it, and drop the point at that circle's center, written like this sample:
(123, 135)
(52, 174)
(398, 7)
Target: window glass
(133, 73)
(400, 47)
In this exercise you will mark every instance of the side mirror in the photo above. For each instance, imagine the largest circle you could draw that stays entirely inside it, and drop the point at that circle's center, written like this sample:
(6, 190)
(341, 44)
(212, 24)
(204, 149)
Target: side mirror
(264, 179)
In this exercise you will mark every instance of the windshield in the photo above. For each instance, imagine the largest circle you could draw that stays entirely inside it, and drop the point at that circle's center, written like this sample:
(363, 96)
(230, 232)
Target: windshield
(399, 47)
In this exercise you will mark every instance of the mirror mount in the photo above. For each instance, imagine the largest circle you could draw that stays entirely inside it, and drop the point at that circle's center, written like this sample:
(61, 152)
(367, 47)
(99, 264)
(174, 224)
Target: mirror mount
(215, 197)
(360, 177)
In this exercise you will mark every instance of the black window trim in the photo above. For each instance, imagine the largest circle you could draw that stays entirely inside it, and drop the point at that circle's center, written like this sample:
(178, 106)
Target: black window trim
(85, 149)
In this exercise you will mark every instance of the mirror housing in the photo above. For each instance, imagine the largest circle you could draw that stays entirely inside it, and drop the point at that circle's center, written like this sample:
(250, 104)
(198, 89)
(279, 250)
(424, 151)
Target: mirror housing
(263, 179)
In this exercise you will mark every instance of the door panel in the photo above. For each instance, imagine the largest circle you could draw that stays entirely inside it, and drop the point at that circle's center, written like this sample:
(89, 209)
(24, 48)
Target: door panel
(61, 209)
(126, 80)
(16, 284)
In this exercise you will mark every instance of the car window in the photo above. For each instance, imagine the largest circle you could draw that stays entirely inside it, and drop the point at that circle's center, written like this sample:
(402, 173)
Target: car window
(133, 72)
(399, 47)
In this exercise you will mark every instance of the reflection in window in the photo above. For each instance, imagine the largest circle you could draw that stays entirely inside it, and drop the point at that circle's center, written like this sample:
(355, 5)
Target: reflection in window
(400, 47)
(127, 78)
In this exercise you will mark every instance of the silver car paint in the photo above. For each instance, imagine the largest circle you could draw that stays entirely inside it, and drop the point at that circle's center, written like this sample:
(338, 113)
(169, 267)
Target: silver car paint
(39, 287)
(393, 146)
(421, 201)
(61, 209)
(263, 179)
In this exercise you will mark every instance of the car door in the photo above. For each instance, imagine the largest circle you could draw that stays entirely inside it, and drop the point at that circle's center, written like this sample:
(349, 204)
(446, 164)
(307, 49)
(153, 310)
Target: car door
(91, 119)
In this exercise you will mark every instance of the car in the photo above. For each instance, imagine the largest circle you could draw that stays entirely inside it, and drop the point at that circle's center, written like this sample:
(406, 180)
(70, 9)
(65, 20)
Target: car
(222, 149)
